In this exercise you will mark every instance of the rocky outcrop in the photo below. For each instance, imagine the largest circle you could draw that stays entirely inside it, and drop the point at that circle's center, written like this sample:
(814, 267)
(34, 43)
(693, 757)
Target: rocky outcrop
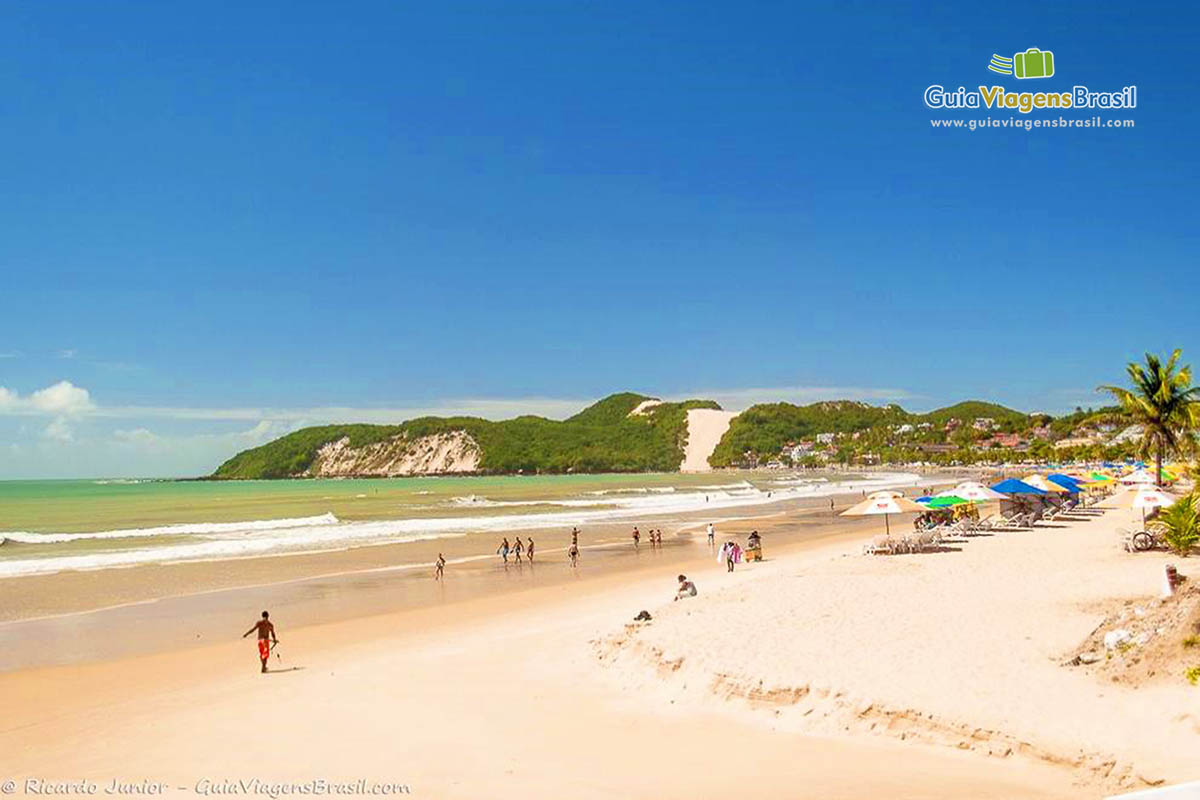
(437, 454)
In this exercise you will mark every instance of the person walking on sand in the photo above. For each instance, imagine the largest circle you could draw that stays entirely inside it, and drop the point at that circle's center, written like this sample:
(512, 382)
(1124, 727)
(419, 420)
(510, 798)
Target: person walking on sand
(439, 567)
(529, 549)
(504, 548)
(575, 536)
(712, 534)
(517, 548)
(573, 554)
(266, 638)
(637, 537)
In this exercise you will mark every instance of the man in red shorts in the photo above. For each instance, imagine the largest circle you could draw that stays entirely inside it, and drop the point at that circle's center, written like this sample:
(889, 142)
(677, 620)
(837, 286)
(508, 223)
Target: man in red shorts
(266, 638)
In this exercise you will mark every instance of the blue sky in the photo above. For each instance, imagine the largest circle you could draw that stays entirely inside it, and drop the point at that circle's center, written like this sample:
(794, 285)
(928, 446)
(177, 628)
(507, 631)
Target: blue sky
(218, 223)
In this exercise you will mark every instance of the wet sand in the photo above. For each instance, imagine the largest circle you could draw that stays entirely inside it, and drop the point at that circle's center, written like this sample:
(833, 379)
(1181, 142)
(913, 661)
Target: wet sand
(73, 617)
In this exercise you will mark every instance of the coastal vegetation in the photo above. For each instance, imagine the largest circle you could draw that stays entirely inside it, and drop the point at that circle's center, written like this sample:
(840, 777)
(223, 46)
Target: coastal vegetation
(604, 437)
(1162, 400)
(1157, 415)
(1181, 525)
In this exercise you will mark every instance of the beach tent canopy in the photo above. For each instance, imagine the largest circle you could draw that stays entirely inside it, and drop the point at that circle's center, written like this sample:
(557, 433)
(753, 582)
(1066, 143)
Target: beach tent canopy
(1014, 486)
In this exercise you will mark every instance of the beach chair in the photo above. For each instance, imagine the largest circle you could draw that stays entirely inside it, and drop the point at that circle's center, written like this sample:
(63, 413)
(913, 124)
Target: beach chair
(880, 545)
(984, 524)
(928, 540)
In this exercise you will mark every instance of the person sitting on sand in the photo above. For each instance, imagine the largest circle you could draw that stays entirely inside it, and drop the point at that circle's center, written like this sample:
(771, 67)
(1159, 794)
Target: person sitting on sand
(686, 588)
(529, 549)
(439, 567)
(266, 631)
(504, 548)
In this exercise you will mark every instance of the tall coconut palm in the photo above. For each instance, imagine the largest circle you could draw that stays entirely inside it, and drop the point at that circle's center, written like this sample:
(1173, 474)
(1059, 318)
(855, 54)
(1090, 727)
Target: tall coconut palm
(1163, 401)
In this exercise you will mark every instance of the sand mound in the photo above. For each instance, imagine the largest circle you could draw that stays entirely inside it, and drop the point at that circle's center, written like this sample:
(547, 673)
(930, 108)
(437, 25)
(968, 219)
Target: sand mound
(644, 407)
(705, 426)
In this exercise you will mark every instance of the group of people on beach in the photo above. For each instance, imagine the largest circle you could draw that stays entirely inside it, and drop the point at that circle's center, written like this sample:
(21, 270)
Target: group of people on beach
(515, 549)
(655, 538)
(731, 553)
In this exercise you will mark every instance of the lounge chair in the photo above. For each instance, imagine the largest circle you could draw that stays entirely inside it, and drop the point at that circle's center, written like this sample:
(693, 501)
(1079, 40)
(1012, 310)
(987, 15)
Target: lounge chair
(881, 545)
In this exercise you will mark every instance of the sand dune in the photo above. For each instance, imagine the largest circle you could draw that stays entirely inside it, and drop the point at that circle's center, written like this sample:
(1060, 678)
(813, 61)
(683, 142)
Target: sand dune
(706, 426)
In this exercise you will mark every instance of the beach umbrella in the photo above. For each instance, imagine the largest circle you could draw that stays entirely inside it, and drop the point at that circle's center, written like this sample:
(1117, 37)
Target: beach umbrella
(1065, 481)
(885, 494)
(1046, 486)
(1141, 475)
(1012, 486)
(977, 492)
(881, 504)
(1141, 497)
(945, 501)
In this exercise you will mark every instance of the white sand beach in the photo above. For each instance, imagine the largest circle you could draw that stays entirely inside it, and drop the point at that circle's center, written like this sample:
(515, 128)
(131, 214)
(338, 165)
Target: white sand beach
(942, 671)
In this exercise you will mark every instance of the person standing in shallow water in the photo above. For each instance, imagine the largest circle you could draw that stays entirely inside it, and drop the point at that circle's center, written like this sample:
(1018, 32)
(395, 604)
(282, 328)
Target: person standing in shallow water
(637, 538)
(266, 638)
(439, 567)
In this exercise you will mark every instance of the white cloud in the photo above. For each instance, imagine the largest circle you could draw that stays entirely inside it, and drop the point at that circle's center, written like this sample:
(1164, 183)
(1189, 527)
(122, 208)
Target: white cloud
(138, 437)
(69, 353)
(10, 355)
(59, 430)
(63, 399)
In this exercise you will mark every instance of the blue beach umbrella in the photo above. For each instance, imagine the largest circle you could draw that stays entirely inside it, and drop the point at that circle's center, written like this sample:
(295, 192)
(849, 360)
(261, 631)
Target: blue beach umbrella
(1014, 486)
(1066, 481)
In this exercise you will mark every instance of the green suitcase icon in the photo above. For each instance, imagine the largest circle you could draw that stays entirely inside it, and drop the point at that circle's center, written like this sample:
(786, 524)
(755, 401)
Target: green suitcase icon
(1034, 63)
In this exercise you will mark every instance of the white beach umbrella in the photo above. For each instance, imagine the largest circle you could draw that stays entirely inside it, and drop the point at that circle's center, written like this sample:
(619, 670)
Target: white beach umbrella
(1140, 497)
(885, 503)
(970, 490)
(886, 494)
(1139, 476)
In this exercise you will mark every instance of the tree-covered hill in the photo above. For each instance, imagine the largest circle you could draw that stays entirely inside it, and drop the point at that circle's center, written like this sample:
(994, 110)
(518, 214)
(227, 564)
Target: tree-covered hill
(602, 438)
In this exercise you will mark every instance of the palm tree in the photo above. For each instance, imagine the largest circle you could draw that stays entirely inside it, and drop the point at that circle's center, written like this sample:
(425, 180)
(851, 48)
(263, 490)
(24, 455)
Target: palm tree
(1164, 402)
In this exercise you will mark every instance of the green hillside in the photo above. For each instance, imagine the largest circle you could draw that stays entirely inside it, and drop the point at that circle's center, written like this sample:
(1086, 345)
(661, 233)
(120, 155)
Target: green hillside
(601, 438)
(764, 429)
(974, 409)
